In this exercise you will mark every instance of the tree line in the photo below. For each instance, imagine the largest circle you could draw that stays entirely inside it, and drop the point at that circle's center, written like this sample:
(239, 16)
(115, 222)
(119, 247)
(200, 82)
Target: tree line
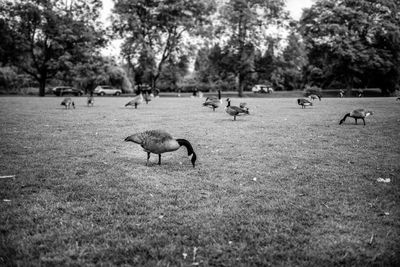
(232, 44)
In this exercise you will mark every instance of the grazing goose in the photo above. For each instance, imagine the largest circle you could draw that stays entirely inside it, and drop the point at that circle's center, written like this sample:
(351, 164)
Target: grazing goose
(90, 100)
(243, 105)
(314, 97)
(137, 100)
(235, 111)
(158, 142)
(304, 102)
(357, 114)
(67, 102)
(148, 97)
(213, 101)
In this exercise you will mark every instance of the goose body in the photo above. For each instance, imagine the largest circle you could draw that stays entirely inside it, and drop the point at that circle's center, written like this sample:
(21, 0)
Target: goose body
(148, 97)
(137, 100)
(213, 101)
(159, 142)
(314, 97)
(357, 114)
(90, 101)
(235, 111)
(304, 102)
(67, 102)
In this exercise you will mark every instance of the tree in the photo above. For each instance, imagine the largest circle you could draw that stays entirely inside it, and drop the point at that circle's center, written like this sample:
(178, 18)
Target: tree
(214, 65)
(246, 22)
(354, 42)
(154, 30)
(46, 36)
(175, 70)
(99, 71)
(293, 61)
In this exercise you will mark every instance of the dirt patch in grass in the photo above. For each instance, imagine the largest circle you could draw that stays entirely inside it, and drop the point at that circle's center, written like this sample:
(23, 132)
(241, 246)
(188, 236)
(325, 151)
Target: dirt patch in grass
(283, 186)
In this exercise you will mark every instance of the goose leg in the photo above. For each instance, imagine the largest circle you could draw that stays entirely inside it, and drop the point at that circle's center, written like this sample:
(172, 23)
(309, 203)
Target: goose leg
(363, 121)
(159, 159)
(356, 121)
(148, 157)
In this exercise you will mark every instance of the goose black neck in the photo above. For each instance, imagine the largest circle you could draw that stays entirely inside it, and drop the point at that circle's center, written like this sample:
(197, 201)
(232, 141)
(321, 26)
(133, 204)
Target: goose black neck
(219, 94)
(185, 143)
(229, 103)
(344, 118)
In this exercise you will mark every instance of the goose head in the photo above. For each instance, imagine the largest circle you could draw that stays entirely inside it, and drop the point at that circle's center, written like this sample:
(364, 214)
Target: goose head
(136, 138)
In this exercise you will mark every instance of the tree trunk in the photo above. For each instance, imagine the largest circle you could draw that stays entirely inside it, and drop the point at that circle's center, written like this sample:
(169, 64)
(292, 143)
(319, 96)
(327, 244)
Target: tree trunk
(42, 87)
(349, 88)
(154, 83)
(240, 84)
(349, 84)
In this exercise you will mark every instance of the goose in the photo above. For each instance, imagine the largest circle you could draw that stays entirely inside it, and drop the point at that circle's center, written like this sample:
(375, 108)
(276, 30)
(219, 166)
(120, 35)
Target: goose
(235, 111)
(213, 101)
(243, 105)
(158, 142)
(67, 102)
(304, 102)
(314, 97)
(90, 100)
(137, 100)
(148, 97)
(357, 114)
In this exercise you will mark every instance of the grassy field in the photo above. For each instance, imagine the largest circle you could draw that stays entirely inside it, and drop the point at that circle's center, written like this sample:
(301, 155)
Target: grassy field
(283, 186)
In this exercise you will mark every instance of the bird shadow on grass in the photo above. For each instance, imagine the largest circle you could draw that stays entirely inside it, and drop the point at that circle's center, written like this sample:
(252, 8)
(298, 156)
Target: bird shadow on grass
(166, 166)
(299, 108)
(227, 119)
(64, 108)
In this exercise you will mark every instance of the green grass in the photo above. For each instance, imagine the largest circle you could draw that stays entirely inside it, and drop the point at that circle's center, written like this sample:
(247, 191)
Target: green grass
(284, 186)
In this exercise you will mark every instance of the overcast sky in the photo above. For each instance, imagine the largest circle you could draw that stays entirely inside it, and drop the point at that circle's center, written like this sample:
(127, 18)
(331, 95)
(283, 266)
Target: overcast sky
(295, 7)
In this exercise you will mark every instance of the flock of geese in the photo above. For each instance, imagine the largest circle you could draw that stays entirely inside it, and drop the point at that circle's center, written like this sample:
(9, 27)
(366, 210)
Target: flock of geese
(215, 102)
(159, 141)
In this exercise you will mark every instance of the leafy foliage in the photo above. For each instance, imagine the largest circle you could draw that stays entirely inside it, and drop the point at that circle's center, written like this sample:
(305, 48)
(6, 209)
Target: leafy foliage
(246, 23)
(100, 71)
(154, 32)
(46, 36)
(354, 43)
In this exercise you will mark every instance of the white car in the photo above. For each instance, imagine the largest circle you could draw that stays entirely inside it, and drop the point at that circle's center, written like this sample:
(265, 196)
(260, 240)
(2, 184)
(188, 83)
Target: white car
(107, 90)
(262, 88)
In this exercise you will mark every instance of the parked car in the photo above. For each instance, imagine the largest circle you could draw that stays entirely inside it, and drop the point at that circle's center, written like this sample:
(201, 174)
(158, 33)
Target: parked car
(262, 88)
(67, 90)
(107, 90)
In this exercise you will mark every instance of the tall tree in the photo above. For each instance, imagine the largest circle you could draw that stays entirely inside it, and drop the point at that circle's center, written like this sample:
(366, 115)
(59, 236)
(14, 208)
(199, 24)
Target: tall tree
(293, 61)
(247, 23)
(49, 35)
(156, 29)
(354, 42)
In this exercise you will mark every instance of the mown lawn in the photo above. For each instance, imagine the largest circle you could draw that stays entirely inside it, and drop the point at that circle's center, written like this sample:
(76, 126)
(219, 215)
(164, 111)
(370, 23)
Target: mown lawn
(284, 186)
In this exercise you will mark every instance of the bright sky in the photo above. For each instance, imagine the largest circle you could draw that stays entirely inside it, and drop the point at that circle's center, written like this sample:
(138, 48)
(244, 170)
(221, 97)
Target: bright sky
(295, 8)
